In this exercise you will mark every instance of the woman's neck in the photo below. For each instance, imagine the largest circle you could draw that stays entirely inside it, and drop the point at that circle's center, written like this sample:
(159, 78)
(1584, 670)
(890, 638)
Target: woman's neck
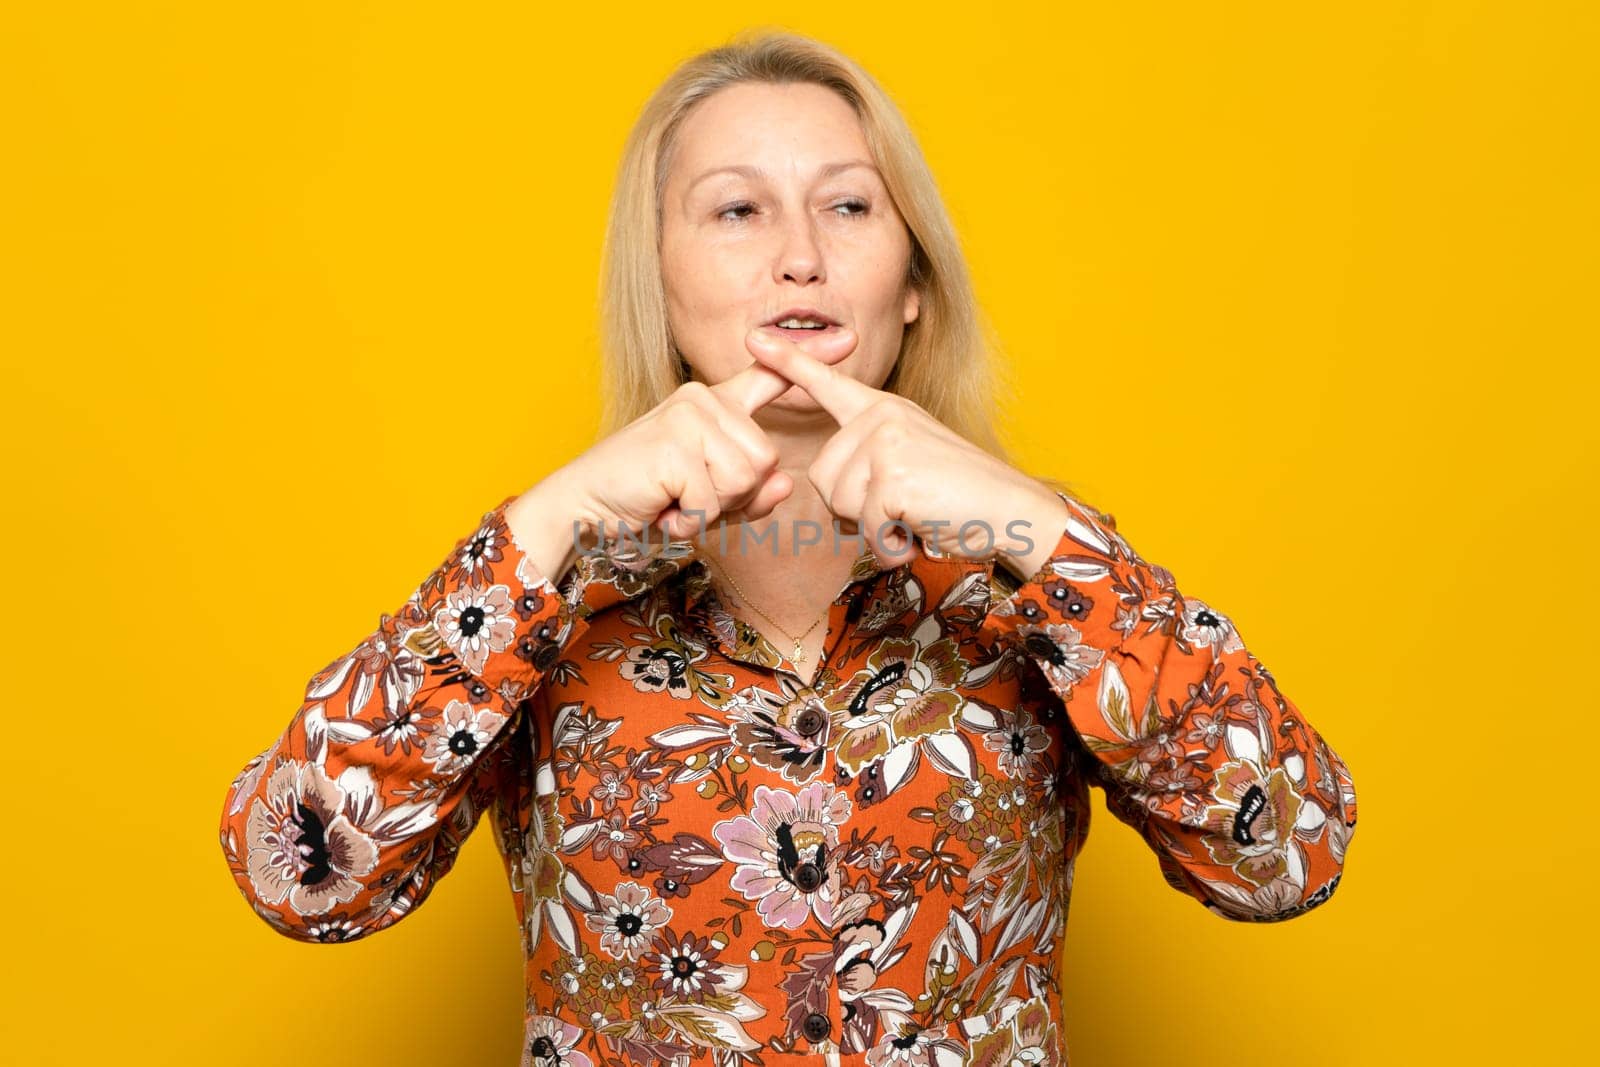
(790, 563)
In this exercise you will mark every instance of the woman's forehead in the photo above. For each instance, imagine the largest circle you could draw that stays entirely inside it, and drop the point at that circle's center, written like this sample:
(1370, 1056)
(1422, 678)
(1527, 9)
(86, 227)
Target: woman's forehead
(759, 130)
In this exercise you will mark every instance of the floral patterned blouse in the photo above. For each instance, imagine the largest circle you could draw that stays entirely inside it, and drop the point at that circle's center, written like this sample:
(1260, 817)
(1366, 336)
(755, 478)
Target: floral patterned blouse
(716, 858)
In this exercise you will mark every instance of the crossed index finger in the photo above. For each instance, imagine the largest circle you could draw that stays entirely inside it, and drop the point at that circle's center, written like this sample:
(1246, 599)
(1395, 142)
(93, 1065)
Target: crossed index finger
(751, 389)
(840, 395)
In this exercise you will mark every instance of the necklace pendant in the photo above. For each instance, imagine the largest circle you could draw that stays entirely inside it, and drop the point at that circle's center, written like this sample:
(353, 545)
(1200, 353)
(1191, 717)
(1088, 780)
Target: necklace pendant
(799, 653)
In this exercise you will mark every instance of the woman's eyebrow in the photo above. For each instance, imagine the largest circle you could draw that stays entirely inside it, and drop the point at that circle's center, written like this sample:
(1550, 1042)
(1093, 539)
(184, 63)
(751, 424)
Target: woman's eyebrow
(756, 173)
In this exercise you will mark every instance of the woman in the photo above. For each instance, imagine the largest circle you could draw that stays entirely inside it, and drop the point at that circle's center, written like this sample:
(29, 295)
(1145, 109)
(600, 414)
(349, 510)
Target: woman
(765, 788)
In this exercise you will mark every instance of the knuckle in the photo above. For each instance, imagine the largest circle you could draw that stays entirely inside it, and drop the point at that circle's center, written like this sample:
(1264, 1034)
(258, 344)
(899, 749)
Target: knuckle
(684, 416)
(765, 456)
(885, 441)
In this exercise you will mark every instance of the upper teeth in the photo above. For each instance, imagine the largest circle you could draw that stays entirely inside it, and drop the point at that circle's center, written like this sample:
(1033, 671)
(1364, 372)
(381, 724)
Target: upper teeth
(808, 324)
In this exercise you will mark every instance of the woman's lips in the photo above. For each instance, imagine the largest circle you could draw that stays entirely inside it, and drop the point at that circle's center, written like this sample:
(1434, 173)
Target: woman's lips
(801, 336)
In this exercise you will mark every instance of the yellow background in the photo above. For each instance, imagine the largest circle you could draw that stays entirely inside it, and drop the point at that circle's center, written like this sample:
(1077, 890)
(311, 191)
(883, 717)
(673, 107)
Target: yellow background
(294, 292)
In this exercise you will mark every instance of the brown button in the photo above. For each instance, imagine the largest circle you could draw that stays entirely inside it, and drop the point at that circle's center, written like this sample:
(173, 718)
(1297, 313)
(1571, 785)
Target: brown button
(808, 876)
(816, 1026)
(809, 722)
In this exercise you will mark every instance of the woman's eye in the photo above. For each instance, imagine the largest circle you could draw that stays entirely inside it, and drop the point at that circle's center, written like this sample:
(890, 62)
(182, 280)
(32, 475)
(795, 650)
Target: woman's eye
(744, 209)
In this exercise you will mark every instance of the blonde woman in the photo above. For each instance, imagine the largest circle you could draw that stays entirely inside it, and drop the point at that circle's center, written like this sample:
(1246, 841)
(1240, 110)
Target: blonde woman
(786, 695)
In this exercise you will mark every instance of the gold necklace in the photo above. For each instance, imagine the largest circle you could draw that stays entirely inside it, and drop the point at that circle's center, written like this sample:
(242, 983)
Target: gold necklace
(799, 650)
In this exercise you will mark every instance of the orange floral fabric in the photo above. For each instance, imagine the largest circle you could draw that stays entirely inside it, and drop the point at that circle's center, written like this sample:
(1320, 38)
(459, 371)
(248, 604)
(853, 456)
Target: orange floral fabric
(716, 858)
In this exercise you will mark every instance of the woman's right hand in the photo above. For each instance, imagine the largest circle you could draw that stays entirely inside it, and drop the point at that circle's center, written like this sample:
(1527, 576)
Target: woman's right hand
(698, 451)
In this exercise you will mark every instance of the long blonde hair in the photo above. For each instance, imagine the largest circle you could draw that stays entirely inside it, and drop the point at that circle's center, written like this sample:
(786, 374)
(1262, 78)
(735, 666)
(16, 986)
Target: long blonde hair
(946, 363)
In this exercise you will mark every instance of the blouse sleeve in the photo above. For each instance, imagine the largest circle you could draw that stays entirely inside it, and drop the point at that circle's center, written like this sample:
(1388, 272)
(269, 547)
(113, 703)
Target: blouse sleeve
(345, 823)
(1247, 808)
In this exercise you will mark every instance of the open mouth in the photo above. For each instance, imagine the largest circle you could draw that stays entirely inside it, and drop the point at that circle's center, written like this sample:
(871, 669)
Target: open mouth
(801, 331)
(799, 323)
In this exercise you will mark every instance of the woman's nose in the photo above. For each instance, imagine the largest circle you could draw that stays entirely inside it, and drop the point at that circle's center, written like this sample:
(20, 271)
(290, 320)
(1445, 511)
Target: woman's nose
(800, 255)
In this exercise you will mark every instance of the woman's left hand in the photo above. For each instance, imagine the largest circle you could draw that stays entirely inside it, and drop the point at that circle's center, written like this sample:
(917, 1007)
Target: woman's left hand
(892, 462)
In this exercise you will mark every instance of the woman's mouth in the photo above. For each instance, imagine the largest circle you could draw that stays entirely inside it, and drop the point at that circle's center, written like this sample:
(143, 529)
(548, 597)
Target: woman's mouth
(813, 332)
(798, 332)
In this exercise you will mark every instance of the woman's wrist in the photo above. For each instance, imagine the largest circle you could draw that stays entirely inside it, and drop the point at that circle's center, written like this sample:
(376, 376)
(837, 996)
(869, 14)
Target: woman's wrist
(543, 520)
(1045, 515)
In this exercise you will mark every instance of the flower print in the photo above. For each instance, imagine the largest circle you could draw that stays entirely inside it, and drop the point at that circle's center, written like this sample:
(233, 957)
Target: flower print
(1067, 600)
(862, 851)
(628, 566)
(472, 560)
(659, 668)
(383, 659)
(1203, 626)
(333, 929)
(652, 795)
(617, 978)
(413, 628)
(711, 856)
(861, 947)
(1018, 739)
(1060, 652)
(575, 731)
(1335, 785)
(1278, 898)
(806, 987)
(687, 966)
(1162, 743)
(243, 786)
(903, 694)
(789, 736)
(858, 944)
(785, 849)
(545, 907)
(540, 647)
(682, 863)
(868, 784)
(401, 727)
(552, 1042)
(1179, 777)
(574, 976)
(460, 735)
(628, 921)
(958, 805)
(1029, 609)
(970, 808)
(475, 622)
(1255, 815)
(914, 1046)
(1029, 1037)
(530, 601)
(1205, 729)
(611, 785)
(304, 848)
(614, 836)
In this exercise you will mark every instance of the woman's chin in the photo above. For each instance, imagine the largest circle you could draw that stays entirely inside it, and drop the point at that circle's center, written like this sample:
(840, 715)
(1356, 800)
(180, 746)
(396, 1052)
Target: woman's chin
(794, 401)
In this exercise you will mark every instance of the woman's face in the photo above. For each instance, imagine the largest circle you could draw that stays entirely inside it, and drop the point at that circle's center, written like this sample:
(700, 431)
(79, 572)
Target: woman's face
(772, 203)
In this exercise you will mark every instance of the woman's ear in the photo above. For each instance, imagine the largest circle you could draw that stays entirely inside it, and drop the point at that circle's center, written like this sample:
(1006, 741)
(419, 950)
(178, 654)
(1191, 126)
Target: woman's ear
(913, 303)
